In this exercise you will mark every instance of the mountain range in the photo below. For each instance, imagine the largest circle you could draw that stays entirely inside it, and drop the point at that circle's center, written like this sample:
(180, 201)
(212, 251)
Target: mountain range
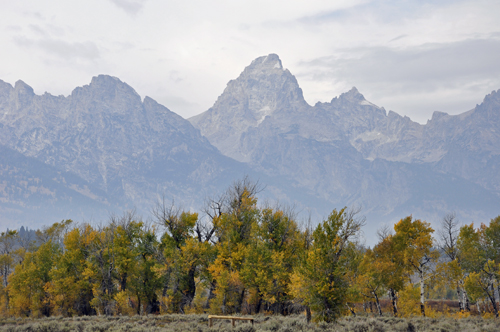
(103, 149)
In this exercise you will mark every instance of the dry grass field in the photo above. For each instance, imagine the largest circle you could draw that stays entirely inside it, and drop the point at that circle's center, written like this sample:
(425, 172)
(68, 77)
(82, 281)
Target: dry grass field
(199, 323)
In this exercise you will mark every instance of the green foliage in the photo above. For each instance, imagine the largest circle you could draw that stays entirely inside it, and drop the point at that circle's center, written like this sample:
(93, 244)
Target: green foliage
(70, 290)
(244, 259)
(29, 284)
(320, 280)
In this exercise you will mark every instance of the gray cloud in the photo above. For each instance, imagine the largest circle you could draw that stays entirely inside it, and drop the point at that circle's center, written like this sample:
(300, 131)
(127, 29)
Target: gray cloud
(325, 17)
(366, 43)
(37, 29)
(450, 77)
(66, 50)
(398, 38)
(132, 7)
(174, 103)
(420, 68)
(387, 11)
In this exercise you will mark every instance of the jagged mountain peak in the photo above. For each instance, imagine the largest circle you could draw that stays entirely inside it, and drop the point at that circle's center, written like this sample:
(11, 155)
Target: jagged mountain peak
(437, 116)
(493, 97)
(114, 95)
(23, 94)
(263, 86)
(107, 82)
(103, 79)
(263, 91)
(488, 112)
(21, 86)
(352, 95)
(271, 61)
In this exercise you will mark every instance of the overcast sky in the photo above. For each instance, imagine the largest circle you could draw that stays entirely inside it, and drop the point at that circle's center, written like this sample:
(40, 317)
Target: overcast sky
(412, 57)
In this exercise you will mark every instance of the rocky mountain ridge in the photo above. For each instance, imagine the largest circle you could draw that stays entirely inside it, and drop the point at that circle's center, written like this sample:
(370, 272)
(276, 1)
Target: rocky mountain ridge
(103, 149)
(350, 151)
(131, 151)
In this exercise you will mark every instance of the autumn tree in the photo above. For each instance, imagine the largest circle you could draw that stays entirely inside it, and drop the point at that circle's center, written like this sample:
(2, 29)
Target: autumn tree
(451, 271)
(145, 281)
(233, 233)
(29, 284)
(101, 268)
(186, 251)
(7, 263)
(413, 239)
(271, 256)
(374, 275)
(70, 290)
(481, 254)
(319, 281)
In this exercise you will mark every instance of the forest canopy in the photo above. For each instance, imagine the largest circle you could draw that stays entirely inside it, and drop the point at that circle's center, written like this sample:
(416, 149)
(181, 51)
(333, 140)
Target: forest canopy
(242, 258)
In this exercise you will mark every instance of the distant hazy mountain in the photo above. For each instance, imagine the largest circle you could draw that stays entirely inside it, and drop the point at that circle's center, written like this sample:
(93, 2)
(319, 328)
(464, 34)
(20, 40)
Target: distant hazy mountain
(34, 194)
(350, 151)
(122, 152)
(103, 149)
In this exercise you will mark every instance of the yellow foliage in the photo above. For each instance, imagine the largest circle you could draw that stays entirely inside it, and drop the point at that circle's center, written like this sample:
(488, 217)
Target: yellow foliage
(123, 304)
(488, 315)
(3, 299)
(227, 294)
(431, 313)
(462, 314)
(409, 301)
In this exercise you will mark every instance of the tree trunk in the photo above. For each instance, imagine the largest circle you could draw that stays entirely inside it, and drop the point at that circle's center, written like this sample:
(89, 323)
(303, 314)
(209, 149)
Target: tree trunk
(493, 299)
(378, 304)
(392, 295)
(422, 298)
(123, 282)
(498, 289)
(138, 304)
(308, 314)
(240, 301)
(459, 297)
(465, 298)
(211, 294)
(351, 309)
(259, 304)
(191, 285)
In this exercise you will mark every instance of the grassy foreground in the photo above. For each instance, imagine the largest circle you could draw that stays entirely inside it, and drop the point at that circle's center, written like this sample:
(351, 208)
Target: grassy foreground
(199, 323)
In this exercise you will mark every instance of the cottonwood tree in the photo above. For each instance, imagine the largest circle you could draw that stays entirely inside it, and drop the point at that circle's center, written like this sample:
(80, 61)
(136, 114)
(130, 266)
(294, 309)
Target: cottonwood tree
(374, 277)
(233, 232)
(28, 284)
(319, 281)
(452, 271)
(413, 239)
(270, 259)
(181, 254)
(481, 256)
(390, 264)
(70, 290)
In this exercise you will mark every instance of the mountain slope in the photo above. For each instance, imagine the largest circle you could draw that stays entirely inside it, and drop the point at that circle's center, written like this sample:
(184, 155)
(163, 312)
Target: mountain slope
(350, 151)
(129, 149)
(31, 190)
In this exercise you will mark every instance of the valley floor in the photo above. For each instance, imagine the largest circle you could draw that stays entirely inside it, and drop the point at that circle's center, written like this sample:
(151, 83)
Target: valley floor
(199, 323)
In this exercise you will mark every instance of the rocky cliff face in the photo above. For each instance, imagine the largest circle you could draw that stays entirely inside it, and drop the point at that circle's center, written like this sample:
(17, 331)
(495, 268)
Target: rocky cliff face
(131, 150)
(350, 151)
(264, 89)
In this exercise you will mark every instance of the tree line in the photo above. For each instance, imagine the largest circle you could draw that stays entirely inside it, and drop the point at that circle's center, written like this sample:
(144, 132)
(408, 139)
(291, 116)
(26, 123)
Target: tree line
(245, 258)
